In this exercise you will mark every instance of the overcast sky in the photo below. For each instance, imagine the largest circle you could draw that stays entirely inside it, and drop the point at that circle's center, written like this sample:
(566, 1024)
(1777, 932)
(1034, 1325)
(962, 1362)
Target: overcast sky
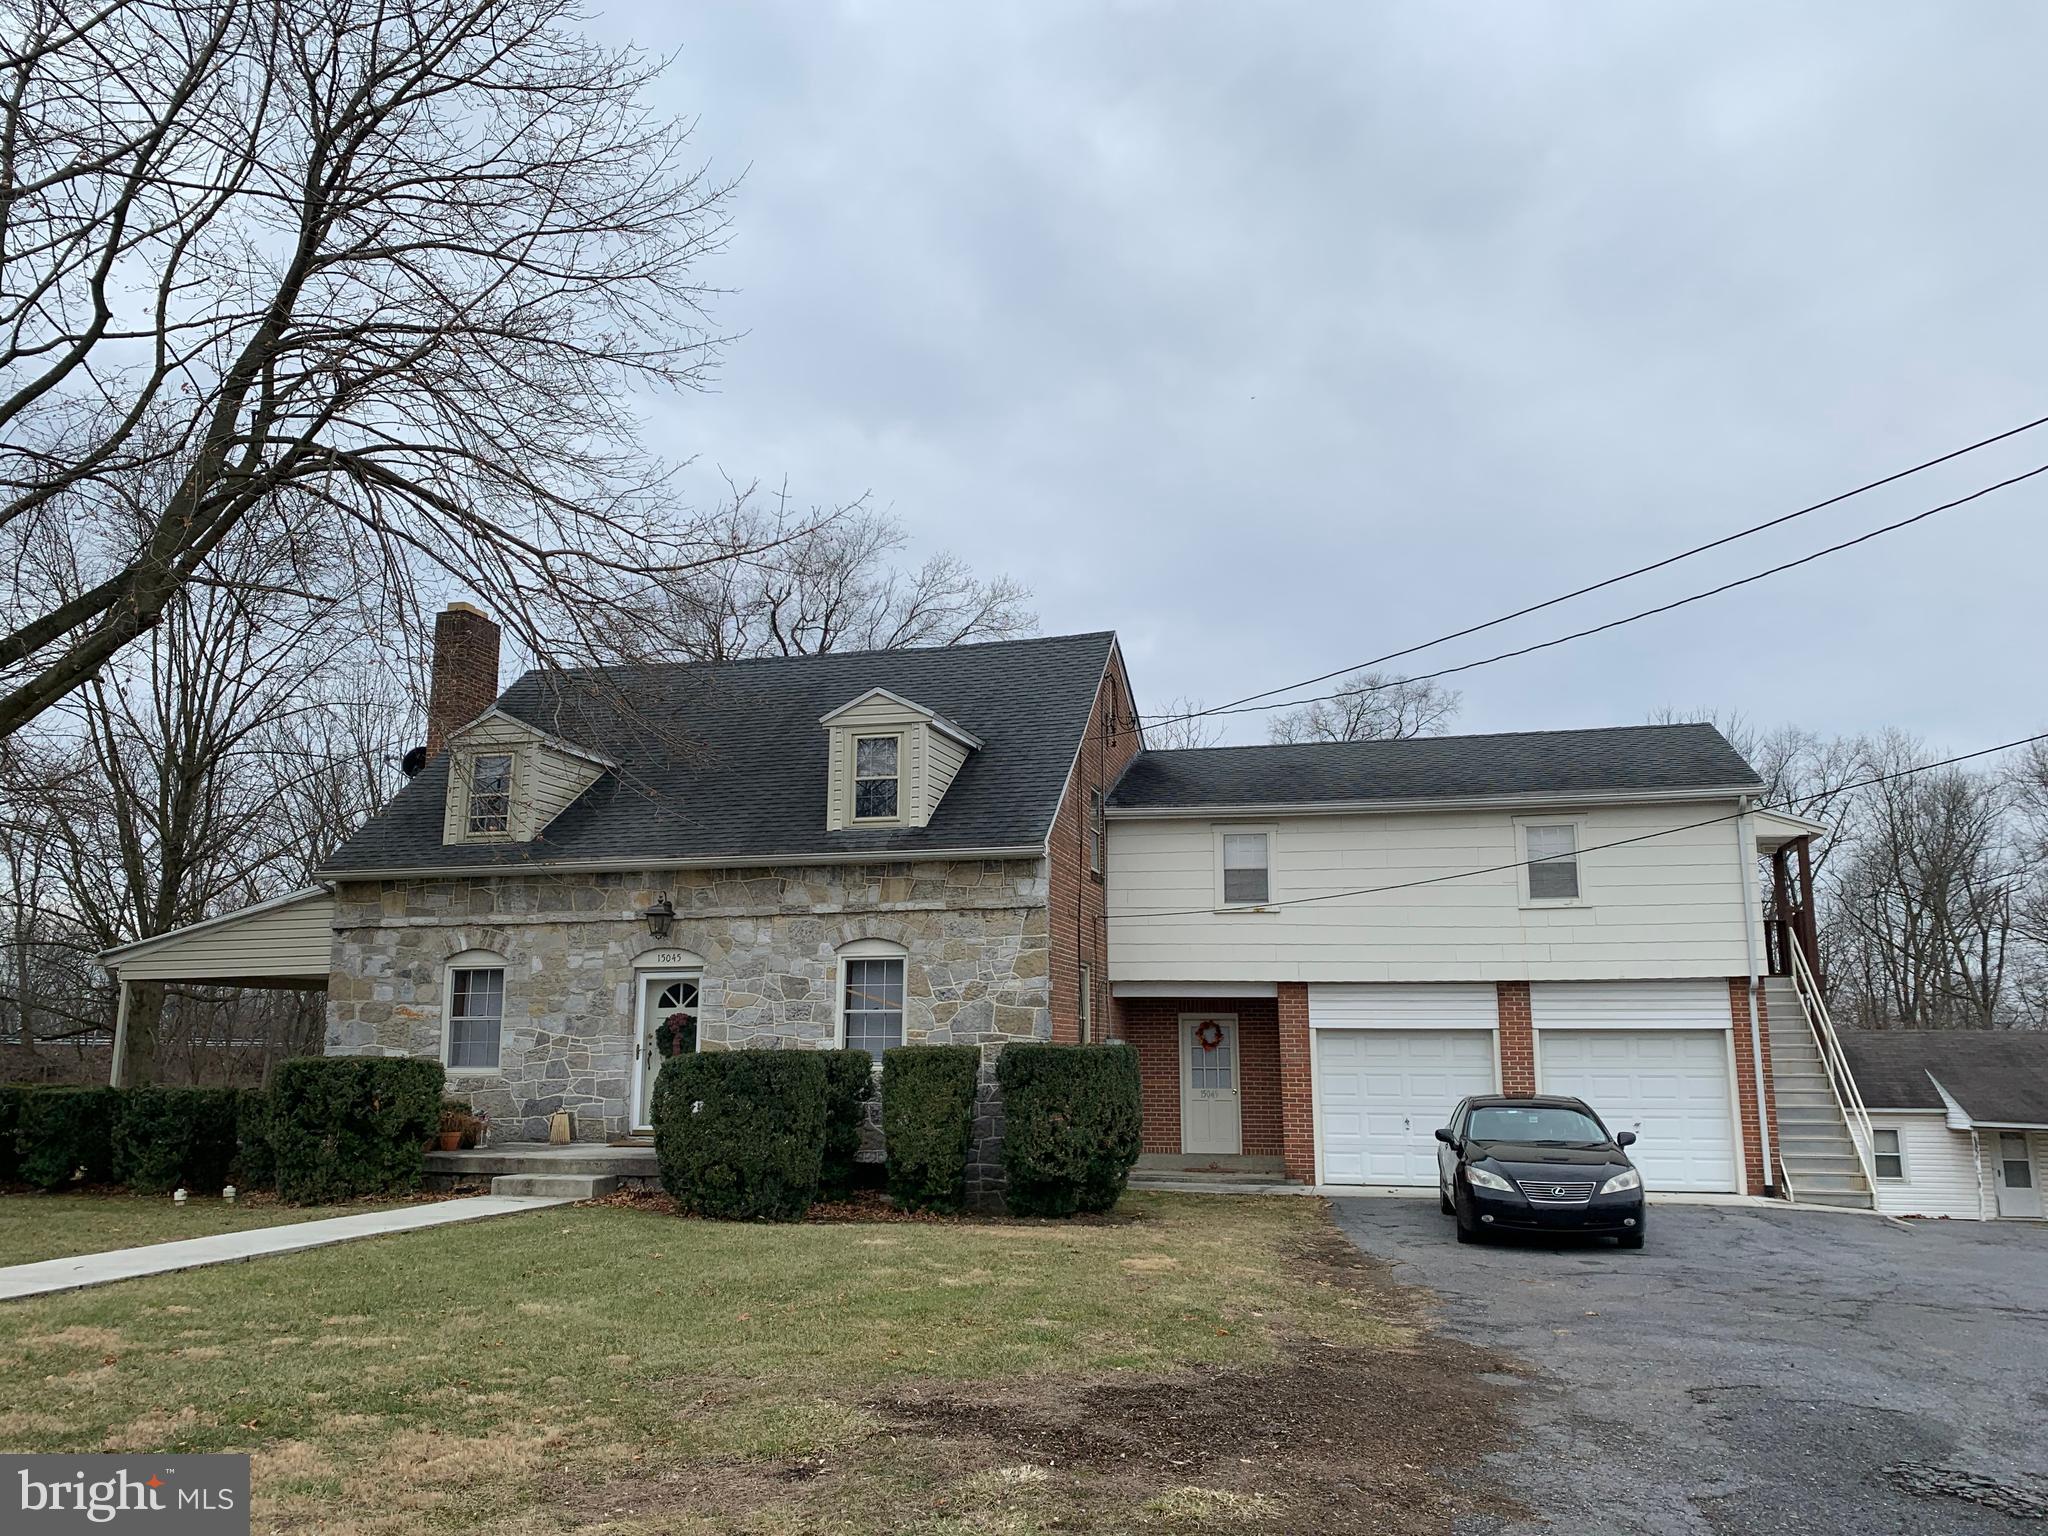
(1277, 337)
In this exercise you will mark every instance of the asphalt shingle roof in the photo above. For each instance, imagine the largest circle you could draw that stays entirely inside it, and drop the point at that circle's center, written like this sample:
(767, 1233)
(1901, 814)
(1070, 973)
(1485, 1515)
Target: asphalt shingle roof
(1999, 1076)
(1638, 757)
(727, 760)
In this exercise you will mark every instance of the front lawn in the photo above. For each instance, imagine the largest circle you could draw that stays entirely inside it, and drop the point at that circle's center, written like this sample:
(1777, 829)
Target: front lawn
(37, 1227)
(1195, 1364)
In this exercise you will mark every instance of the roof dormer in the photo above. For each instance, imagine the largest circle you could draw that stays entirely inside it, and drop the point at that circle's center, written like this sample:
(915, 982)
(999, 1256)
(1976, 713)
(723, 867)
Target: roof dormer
(890, 763)
(507, 779)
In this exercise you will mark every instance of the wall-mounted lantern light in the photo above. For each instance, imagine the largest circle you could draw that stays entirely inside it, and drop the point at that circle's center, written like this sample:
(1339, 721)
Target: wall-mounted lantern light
(661, 917)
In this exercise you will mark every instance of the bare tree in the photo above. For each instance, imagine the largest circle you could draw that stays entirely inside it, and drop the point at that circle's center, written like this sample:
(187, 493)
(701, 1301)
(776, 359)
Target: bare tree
(829, 581)
(1370, 706)
(1180, 726)
(212, 765)
(398, 268)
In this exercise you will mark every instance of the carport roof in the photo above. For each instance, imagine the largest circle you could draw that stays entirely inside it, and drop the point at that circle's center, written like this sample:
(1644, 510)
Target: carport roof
(1998, 1076)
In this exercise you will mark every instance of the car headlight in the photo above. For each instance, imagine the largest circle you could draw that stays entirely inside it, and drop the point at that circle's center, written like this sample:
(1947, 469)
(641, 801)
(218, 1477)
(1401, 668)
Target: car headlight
(1486, 1179)
(1627, 1179)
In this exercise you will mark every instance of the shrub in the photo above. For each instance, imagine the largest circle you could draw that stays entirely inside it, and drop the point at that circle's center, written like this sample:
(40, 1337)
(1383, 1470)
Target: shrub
(10, 1118)
(928, 1123)
(165, 1137)
(347, 1126)
(255, 1157)
(60, 1131)
(849, 1084)
(740, 1135)
(1072, 1126)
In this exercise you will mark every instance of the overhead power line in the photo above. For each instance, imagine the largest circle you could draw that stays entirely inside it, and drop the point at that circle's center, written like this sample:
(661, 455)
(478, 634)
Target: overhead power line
(1233, 705)
(1243, 708)
(1619, 842)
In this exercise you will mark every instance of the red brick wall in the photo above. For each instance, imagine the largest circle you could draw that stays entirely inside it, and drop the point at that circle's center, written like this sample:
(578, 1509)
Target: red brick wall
(1517, 1038)
(1077, 927)
(1745, 1082)
(1297, 1089)
(1152, 1024)
(465, 679)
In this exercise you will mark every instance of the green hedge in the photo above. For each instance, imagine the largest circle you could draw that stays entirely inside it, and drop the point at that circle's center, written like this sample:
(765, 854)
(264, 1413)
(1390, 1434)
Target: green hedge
(347, 1126)
(849, 1084)
(928, 1123)
(1072, 1126)
(10, 1120)
(255, 1156)
(740, 1135)
(62, 1131)
(168, 1137)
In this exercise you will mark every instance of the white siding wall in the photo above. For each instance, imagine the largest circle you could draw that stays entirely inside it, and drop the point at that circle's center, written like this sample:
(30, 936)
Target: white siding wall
(1668, 907)
(1941, 1170)
(1395, 1006)
(292, 939)
(1631, 1005)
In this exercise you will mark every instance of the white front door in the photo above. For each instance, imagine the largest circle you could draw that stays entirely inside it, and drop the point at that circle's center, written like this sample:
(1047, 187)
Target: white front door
(1669, 1086)
(1382, 1093)
(661, 998)
(1209, 1087)
(2012, 1171)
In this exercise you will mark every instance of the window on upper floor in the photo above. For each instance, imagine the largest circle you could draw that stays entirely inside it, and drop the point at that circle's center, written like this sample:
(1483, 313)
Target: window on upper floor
(490, 794)
(1888, 1154)
(877, 777)
(1550, 850)
(1246, 864)
(475, 1012)
(1095, 831)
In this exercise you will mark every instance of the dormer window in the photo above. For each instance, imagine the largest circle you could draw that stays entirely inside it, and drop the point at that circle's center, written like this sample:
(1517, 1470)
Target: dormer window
(877, 777)
(490, 794)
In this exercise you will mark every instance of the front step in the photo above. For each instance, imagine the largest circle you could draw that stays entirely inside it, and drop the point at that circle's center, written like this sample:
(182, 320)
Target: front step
(559, 1186)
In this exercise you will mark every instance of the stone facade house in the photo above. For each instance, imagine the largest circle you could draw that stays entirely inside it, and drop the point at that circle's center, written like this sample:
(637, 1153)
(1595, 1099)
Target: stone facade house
(794, 852)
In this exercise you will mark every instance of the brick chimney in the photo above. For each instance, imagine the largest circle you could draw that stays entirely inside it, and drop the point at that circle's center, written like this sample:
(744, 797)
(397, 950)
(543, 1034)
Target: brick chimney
(465, 672)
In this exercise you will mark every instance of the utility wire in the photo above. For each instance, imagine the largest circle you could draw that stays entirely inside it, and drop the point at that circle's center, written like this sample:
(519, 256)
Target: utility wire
(1243, 708)
(1232, 706)
(1620, 842)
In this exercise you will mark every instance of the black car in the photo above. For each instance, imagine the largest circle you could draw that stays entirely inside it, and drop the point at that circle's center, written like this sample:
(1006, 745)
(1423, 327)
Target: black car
(1537, 1164)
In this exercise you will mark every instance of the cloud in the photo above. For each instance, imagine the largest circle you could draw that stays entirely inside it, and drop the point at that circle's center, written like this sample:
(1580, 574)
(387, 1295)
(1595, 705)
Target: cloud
(1279, 337)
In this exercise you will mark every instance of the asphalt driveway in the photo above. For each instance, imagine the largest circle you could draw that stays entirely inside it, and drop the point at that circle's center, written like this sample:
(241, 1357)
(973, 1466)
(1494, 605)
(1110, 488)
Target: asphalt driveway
(1755, 1371)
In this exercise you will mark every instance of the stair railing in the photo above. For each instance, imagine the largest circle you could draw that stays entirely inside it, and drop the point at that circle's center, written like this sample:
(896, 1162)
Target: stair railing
(1835, 1062)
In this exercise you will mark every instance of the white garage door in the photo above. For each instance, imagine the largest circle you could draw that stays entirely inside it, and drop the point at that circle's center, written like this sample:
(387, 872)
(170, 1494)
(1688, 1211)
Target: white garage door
(1383, 1093)
(1669, 1086)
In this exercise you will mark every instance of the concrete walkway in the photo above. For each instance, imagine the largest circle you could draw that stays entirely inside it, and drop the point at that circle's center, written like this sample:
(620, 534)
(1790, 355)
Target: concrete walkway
(86, 1269)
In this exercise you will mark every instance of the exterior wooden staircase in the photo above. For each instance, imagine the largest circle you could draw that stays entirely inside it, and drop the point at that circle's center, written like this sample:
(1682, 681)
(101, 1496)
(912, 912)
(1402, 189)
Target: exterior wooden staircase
(1815, 1148)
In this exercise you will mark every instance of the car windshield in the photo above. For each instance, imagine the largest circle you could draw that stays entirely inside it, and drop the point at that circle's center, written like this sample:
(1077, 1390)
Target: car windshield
(1545, 1123)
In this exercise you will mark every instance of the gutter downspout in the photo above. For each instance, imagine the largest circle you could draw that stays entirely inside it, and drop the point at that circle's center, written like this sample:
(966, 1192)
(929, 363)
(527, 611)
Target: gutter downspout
(1745, 864)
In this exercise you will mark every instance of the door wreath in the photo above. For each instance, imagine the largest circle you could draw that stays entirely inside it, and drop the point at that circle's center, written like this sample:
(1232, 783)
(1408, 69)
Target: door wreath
(1208, 1034)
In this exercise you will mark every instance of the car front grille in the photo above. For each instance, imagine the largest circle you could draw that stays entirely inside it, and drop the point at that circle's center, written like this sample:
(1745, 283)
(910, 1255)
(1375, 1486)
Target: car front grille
(1557, 1191)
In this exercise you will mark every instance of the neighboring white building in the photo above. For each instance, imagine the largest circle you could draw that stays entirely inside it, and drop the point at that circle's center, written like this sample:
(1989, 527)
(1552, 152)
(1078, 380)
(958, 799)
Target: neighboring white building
(1320, 949)
(1959, 1120)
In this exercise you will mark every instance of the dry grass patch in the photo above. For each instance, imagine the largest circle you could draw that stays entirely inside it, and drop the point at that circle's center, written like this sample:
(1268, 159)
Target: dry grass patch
(1187, 1365)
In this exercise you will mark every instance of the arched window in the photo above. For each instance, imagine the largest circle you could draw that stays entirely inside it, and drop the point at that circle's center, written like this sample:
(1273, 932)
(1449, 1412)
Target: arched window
(871, 996)
(473, 1011)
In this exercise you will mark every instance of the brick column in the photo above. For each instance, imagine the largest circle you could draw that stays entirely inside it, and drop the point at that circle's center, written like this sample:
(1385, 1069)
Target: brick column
(1759, 1177)
(1297, 1088)
(1517, 1038)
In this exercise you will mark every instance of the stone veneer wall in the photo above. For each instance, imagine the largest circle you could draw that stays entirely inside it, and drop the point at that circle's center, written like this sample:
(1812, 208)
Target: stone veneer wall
(975, 932)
